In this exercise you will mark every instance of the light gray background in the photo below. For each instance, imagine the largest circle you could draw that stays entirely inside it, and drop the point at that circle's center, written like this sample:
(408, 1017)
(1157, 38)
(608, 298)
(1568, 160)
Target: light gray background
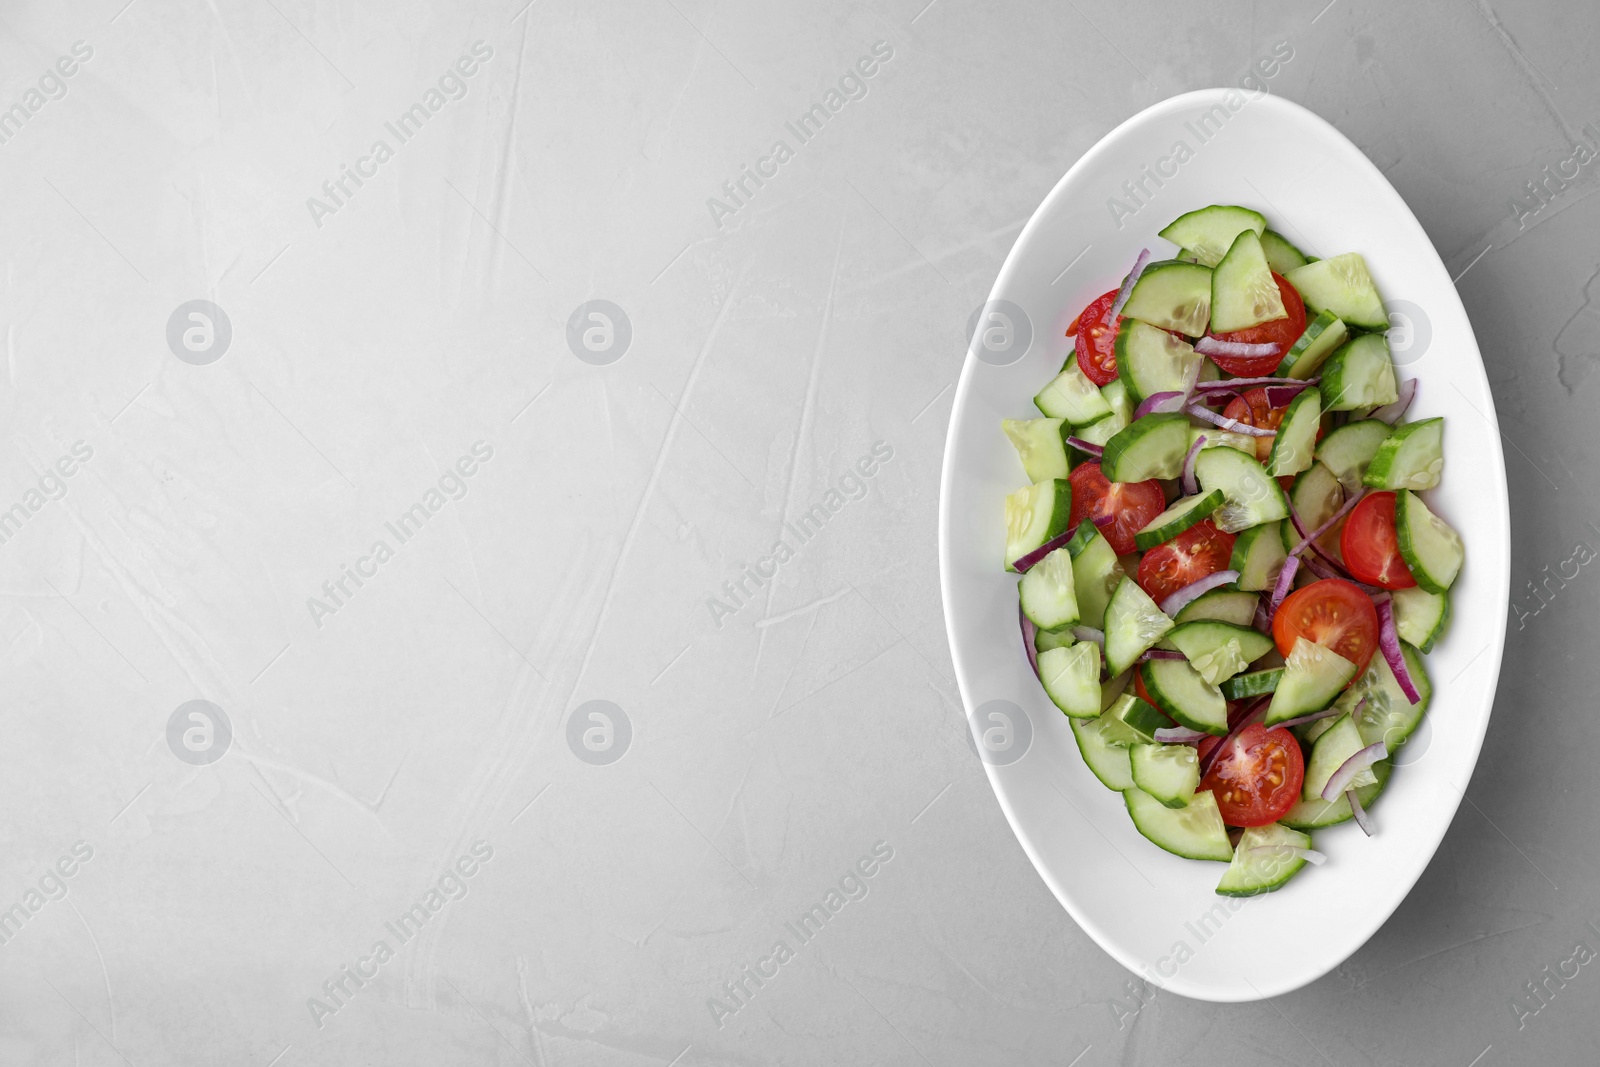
(770, 753)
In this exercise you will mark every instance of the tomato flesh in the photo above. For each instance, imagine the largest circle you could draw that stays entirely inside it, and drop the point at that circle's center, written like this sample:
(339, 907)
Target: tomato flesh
(1333, 613)
(1200, 550)
(1281, 332)
(1370, 546)
(1257, 779)
(1128, 505)
(1252, 409)
(1096, 341)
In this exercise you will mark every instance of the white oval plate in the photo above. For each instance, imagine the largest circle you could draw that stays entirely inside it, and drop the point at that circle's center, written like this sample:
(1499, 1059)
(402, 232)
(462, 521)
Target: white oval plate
(1157, 914)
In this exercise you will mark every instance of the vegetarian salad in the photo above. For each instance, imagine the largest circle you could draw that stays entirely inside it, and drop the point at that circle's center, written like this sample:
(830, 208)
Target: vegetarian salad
(1236, 632)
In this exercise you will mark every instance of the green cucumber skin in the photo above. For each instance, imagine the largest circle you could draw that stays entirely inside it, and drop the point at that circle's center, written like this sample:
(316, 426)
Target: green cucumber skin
(1405, 504)
(1153, 535)
(1223, 605)
(1151, 303)
(1207, 233)
(1258, 555)
(1294, 449)
(1252, 684)
(1137, 453)
(1390, 468)
(1282, 256)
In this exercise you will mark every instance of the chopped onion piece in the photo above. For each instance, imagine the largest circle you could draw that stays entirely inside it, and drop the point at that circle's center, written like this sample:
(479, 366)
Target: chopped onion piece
(1102, 521)
(1215, 346)
(1026, 561)
(1250, 383)
(1159, 402)
(1190, 486)
(1279, 395)
(1389, 642)
(1263, 620)
(1391, 413)
(1180, 599)
(1310, 855)
(1089, 633)
(1226, 423)
(1160, 653)
(1352, 767)
(1178, 735)
(1325, 713)
(1029, 632)
(1085, 446)
(1285, 583)
(1344, 509)
(1127, 287)
(1362, 818)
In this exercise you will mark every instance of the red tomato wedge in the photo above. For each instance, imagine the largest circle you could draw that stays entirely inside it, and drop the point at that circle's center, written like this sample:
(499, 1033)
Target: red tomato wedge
(1097, 355)
(1200, 550)
(1252, 409)
(1258, 778)
(1370, 546)
(1128, 505)
(1335, 614)
(1281, 332)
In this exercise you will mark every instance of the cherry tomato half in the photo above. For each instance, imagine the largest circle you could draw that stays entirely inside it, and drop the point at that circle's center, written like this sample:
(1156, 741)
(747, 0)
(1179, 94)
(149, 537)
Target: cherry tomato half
(1281, 332)
(1200, 550)
(1370, 546)
(1333, 613)
(1259, 776)
(1252, 409)
(1129, 505)
(1097, 356)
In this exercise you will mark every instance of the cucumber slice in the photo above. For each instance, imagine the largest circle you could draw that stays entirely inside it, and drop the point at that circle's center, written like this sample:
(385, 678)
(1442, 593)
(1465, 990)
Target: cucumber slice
(1251, 496)
(1035, 514)
(1208, 233)
(1341, 741)
(1216, 437)
(1263, 862)
(1106, 761)
(1219, 650)
(1359, 375)
(1133, 624)
(1190, 511)
(1152, 447)
(1112, 688)
(1295, 446)
(1420, 617)
(1116, 396)
(1224, 605)
(1282, 256)
(1151, 361)
(1186, 697)
(1173, 296)
(1342, 285)
(1258, 556)
(1130, 721)
(1071, 678)
(1045, 640)
(1243, 291)
(1072, 396)
(1096, 571)
(1410, 458)
(1194, 831)
(1312, 677)
(1431, 549)
(1388, 714)
(1254, 684)
(1315, 814)
(1316, 495)
(1348, 451)
(1047, 592)
(1322, 335)
(1170, 773)
(1041, 446)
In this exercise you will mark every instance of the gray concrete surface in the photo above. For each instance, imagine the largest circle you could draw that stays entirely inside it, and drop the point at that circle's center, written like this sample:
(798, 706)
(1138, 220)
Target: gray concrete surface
(422, 741)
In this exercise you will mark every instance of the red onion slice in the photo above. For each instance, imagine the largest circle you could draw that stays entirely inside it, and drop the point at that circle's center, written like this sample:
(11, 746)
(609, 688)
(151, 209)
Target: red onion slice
(1127, 286)
(1256, 713)
(1352, 767)
(1178, 735)
(1027, 560)
(1158, 403)
(1391, 413)
(1344, 509)
(1089, 633)
(1310, 855)
(1029, 632)
(1285, 583)
(1179, 600)
(1215, 346)
(1263, 619)
(1363, 820)
(1279, 395)
(1102, 521)
(1159, 653)
(1086, 446)
(1190, 486)
(1389, 642)
(1250, 383)
(1325, 713)
(1233, 425)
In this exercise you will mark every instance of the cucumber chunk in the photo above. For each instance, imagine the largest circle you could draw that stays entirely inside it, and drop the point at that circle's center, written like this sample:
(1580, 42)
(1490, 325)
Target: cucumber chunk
(1133, 624)
(1170, 773)
(1348, 451)
(1041, 445)
(1342, 285)
(1151, 361)
(1420, 617)
(1035, 514)
(1388, 714)
(1258, 556)
(1172, 295)
(1106, 761)
(1130, 721)
(1410, 458)
(1224, 605)
(1194, 831)
(1183, 514)
(1251, 496)
(1254, 684)
(1243, 291)
(1187, 698)
(1295, 446)
(1045, 640)
(1047, 592)
(1316, 495)
(1096, 571)
(1072, 396)
(1071, 678)
(1431, 549)
(1219, 650)
(1312, 677)
(1341, 741)
(1263, 862)
(1282, 256)
(1152, 447)
(1322, 335)
(1208, 233)
(1317, 813)
(1216, 437)
(1359, 375)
